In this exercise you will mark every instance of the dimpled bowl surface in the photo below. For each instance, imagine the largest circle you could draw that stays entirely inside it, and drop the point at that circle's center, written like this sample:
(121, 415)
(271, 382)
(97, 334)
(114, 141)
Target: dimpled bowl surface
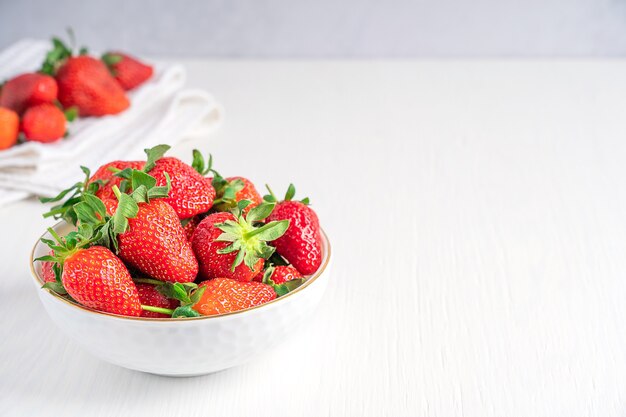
(200, 345)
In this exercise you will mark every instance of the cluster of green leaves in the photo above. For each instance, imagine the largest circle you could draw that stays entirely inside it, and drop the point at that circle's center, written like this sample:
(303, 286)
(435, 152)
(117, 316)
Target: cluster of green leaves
(247, 237)
(289, 195)
(70, 197)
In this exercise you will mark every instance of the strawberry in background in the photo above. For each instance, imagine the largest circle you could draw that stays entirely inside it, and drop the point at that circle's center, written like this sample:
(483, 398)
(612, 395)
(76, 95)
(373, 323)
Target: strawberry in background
(43, 123)
(28, 90)
(85, 83)
(9, 128)
(127, 70)
(68, 84)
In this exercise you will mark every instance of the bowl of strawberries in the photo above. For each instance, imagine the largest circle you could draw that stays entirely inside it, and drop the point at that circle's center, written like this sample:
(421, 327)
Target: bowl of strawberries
(169, 268)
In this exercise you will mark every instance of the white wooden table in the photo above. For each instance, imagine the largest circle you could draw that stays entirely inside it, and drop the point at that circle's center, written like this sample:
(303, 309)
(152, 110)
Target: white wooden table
(478, 216)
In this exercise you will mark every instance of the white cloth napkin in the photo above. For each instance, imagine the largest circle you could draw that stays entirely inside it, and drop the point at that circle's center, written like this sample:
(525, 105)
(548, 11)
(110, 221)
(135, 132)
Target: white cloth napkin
(160, 112)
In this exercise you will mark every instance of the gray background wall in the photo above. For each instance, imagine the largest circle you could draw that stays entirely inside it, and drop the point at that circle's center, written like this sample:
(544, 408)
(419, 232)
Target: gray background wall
(327, 28)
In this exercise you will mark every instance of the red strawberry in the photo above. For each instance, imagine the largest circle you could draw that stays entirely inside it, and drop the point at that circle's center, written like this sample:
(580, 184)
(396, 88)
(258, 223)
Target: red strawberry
(96, 278)
(190, 227)
(106, 174)
(231, 247)
(156, 245)
(9, 128)
(43, 123)
(127, 70)
(248, 192)
(223, 295)
(282, 274)
(234, 189)
(301, 244)
(149, 295)
(46, 270)
(27, 90)
(85, 82)
(191, 194)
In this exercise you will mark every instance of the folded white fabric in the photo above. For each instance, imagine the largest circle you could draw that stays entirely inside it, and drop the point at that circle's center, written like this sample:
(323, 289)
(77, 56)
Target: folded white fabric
(161, 111)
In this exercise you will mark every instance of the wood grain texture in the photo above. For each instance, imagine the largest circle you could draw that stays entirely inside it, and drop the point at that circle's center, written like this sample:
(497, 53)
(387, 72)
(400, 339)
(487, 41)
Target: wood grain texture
(476, 211)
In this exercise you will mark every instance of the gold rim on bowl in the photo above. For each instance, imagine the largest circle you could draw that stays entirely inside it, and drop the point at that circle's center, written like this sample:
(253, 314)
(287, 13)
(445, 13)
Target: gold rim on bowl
(326, 259)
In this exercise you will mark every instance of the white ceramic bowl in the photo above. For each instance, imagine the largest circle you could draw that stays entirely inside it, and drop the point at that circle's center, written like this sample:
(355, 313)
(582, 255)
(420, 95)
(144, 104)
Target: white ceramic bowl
(182, 347)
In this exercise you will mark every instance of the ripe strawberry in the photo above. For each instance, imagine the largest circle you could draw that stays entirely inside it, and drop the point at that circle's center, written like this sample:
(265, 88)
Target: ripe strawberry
(106, 174)
(47, 272)
(229, 246)
(283, 273)
(156, 245)
(127, 70)
(9, 128)
(223, 295)
(191, 194)
(43, 123)
(85, 82)
(149, 295)
(248, 192)
(28, 90)
(96, 278)
(232, 190)
(301, 244)
(190, 227)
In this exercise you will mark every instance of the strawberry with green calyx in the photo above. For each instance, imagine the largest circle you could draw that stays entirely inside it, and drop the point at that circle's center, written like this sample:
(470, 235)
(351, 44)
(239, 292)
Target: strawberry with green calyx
(60, 53)
(147, 233)
(231, 245)
(106, 175)
(281, 274)
(301, 244)
(84, 82)
(127, 70)
(191, 194)
(155, 243)
(92, 275)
